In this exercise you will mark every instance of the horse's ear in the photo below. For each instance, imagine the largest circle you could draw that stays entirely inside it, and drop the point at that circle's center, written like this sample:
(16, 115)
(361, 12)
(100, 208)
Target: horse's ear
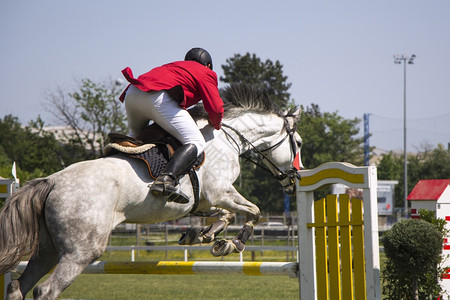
(293, 112)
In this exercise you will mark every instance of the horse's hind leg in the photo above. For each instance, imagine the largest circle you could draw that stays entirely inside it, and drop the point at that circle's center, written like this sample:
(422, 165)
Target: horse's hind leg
(75, 253)
(39, 265)
(62, 276)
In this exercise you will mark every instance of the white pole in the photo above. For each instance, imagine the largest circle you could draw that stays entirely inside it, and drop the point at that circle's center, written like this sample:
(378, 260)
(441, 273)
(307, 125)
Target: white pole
(5, 280)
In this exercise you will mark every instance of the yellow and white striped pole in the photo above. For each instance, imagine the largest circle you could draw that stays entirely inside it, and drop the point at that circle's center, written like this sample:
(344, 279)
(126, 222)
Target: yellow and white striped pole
(189, 268)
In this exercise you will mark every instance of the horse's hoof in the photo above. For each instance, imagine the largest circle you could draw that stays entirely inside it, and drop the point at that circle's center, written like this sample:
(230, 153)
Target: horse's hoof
(207, 239)
(238, 246)
(13, 291)
(222, 248)
(190, 237)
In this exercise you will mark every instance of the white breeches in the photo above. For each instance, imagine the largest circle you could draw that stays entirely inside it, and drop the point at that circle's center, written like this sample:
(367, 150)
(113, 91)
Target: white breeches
(158, 106)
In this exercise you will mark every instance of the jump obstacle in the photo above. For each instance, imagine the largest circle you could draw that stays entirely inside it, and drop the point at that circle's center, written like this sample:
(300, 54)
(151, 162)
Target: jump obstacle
(338, 242)
(338, 236)
(190, 268)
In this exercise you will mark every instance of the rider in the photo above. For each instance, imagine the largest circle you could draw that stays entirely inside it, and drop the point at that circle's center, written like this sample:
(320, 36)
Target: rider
(162, 95)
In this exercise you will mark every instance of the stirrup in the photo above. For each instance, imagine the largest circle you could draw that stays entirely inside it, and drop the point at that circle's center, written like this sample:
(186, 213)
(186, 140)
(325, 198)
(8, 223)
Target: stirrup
(166, 186)
(178, 197)
(163, 185)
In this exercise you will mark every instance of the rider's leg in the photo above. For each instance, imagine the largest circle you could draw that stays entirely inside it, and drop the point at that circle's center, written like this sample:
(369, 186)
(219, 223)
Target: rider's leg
(163, 110)
(166, 184)
(136, 102)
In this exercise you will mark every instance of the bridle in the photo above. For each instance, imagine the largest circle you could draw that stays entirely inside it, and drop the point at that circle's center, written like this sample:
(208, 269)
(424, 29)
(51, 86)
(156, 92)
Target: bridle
(292, 173)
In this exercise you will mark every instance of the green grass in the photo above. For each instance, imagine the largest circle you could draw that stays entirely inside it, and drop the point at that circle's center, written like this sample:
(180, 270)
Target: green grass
(181, 287)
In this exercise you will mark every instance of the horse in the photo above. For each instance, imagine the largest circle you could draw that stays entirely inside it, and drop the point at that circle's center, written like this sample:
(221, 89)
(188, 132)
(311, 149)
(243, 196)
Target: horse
(63, 221)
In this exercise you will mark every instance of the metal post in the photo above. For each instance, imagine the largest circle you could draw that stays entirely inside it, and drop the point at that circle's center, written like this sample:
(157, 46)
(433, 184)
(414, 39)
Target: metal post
(366, 140)
(398, 59)
(405, 156)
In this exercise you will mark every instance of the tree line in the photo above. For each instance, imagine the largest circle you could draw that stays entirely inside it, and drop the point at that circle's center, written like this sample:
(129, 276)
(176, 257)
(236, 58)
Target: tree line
(93, 110)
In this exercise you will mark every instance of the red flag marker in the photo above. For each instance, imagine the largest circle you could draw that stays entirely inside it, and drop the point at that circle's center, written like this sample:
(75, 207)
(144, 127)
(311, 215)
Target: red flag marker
(296, 162)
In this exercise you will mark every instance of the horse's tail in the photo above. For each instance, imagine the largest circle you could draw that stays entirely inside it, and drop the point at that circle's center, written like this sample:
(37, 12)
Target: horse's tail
(19, 222)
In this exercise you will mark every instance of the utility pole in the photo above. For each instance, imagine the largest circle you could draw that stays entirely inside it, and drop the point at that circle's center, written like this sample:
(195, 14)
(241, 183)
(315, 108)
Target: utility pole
(398, 59)
(366, 140)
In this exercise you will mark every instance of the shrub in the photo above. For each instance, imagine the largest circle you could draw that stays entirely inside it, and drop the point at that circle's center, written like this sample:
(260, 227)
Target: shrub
(413, 250)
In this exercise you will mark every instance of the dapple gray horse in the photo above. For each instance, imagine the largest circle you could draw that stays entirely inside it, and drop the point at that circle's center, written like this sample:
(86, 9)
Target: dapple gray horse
(63, 221)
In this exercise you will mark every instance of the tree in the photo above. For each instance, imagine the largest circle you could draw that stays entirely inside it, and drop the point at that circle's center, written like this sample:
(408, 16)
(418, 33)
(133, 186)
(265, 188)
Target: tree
(436, 164)
(252, 70)
(429, 164)
(91, 113)
(329, 137)
(389, 167)
(36, 152)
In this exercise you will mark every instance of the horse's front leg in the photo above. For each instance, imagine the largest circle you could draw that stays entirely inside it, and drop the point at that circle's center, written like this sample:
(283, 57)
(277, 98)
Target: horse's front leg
(233, 201)
(237, 244)
(193, 236)
(226, 218)
(241, 238)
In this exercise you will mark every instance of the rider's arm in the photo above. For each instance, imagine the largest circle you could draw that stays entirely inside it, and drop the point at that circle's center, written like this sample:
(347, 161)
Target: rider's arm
(211, 99)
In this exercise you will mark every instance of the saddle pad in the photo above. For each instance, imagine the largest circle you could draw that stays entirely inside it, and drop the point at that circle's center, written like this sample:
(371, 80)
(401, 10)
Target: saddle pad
(155, 156)
(156, 159)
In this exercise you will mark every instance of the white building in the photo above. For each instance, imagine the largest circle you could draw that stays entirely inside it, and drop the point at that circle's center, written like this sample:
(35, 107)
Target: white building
(434, 195)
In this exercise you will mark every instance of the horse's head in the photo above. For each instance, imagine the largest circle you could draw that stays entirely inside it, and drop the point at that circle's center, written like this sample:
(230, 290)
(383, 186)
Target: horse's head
(263, 130)
(282, 156)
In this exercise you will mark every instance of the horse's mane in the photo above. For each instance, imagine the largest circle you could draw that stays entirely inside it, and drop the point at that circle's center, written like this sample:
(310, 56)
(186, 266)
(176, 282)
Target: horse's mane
(239, 98)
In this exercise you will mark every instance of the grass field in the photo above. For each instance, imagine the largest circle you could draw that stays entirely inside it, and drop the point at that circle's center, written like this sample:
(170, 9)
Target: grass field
(181, 287)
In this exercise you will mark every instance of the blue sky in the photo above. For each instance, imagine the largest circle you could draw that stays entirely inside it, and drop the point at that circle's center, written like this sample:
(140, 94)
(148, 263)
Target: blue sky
(337, 54)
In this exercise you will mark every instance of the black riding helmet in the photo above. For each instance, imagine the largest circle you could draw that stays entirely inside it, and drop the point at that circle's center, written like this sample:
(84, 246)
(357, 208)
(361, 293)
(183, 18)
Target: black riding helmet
(199, 55)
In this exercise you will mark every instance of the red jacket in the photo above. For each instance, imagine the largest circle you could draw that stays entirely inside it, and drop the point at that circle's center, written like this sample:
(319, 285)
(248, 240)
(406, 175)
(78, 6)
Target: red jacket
(187, 82)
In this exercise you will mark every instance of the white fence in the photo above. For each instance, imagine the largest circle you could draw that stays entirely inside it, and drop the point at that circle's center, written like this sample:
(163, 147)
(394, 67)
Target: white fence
(186, 249)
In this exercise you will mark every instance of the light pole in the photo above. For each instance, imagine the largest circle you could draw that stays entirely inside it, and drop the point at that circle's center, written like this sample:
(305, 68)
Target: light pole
(398, 59)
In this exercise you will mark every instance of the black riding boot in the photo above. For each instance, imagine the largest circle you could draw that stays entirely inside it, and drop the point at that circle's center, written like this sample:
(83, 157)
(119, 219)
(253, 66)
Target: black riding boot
(167, 183)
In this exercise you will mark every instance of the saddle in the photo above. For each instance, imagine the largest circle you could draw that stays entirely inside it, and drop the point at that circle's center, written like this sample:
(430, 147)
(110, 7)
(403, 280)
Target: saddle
(155, 147)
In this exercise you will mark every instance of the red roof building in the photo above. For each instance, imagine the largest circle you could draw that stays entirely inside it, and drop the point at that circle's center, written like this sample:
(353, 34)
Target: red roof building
(431, 189)
(433, 194)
